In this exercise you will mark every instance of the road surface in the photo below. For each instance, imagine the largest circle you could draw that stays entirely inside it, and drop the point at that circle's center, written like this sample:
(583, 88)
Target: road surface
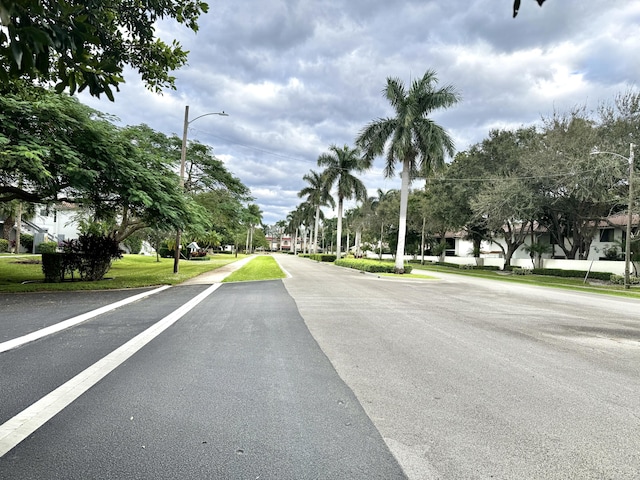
(328, 374)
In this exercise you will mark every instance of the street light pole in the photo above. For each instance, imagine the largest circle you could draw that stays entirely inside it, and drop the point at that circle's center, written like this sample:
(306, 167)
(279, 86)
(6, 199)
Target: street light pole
(627, 249)
(627, 243)
(183, 159)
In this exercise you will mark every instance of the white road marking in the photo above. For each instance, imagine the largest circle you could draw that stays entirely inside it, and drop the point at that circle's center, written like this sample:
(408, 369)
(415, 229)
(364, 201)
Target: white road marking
(15, 430)
(30, 337)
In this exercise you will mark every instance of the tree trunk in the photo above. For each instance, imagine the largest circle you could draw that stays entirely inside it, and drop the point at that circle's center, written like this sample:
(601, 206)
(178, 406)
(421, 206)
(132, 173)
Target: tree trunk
(424, 225)
(402, 224)
(315, 230)
(339, 239)
(8, 226)
(381, 233)
(18, 226)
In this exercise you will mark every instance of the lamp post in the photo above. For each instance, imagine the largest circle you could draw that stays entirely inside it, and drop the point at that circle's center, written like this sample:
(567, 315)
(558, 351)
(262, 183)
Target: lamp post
(183, 158)
(627, 243)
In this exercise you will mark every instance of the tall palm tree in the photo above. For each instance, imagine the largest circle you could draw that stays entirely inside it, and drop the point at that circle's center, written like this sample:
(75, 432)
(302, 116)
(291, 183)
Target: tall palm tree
(340, 163)
(410, 137)
(253, 217)
(318, 195)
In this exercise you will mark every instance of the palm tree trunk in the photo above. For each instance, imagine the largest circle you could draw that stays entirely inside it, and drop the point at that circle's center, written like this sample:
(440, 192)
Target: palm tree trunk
(402, 224)
(339, 239)
(315, 230)
(381, 233)
(424, 225)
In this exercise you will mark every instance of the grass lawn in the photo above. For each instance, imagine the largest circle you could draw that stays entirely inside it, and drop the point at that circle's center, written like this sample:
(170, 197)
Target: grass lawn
(262, 267)
(539, 280)
(129, 272)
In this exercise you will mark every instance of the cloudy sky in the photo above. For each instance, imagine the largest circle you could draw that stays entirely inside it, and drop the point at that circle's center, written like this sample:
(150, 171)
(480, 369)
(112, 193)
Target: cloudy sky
(297, 76)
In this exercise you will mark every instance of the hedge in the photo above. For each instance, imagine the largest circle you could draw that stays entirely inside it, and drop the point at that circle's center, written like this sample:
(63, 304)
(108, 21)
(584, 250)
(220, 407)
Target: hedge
(323, 257)
(556, 272)
(4, 245)
(47, 247)
(371, 266)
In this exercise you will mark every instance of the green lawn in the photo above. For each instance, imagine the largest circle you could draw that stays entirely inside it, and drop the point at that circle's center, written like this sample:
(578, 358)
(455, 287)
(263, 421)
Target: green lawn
(23, 274)
(539, 280)
(263, 267)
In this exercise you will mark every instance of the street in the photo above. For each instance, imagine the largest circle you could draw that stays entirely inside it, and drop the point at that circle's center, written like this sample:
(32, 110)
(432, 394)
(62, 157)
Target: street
(330, 374)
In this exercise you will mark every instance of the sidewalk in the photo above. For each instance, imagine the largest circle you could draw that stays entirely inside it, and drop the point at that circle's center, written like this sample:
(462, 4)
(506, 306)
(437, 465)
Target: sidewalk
(219, 274)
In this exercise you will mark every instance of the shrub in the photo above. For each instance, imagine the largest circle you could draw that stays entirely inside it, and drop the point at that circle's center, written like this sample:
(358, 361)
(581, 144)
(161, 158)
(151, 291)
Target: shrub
(97, 253)
(56, 266)
(4, 245)
(164, 250)
(556, 272)
(619, 280)
(26, 240)
(205, 258)
(521, 271)
(323, 257)
(371, 266)
(91, 255)
(47, 247)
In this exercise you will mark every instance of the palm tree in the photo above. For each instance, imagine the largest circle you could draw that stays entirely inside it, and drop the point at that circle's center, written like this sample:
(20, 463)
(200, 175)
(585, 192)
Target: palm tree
(253, 217)
(340, 163)
(318, 195)
(412, 137)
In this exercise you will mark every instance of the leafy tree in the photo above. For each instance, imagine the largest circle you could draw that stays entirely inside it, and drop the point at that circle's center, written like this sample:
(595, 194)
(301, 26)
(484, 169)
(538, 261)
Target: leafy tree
(318, 195)
(504, 200)
(340, 163)
(414, 139)
(56, 149)
(81, 44)
(584, 190)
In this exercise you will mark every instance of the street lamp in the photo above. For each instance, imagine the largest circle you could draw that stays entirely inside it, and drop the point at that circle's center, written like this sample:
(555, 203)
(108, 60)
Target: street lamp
(183, 158)
(627, 244)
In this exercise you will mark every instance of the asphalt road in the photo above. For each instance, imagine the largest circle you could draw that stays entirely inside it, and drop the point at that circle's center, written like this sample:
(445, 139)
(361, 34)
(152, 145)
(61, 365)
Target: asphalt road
(472, 379)
(328, 373)
(235, 389)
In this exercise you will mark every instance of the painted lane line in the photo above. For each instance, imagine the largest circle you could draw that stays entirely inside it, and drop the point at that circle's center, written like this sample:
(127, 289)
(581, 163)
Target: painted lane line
(16, 429)
(30, 337)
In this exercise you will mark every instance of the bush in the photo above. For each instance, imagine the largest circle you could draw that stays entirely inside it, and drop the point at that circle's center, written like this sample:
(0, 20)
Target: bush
(521, 271)
(323, 257)
(371, 266)
(4, 245)
(26, 240)
(195, 259)
(619, 280)
(47, 247)
(56, 266)
(556, 272)
(91, 255)
(164, 251)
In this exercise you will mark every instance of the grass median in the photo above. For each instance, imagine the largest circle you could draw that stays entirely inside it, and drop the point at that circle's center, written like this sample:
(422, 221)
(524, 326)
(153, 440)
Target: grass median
(24, 273)
(263, 267)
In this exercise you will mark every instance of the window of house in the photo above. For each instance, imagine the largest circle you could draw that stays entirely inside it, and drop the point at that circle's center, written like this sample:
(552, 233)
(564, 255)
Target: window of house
(606, 234)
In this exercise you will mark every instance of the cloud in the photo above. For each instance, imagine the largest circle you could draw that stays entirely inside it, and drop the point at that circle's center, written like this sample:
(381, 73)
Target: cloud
(297, 75)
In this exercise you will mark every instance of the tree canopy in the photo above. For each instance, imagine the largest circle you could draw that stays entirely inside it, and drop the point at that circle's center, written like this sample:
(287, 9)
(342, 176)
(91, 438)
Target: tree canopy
(55, 149)
(87, 44)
